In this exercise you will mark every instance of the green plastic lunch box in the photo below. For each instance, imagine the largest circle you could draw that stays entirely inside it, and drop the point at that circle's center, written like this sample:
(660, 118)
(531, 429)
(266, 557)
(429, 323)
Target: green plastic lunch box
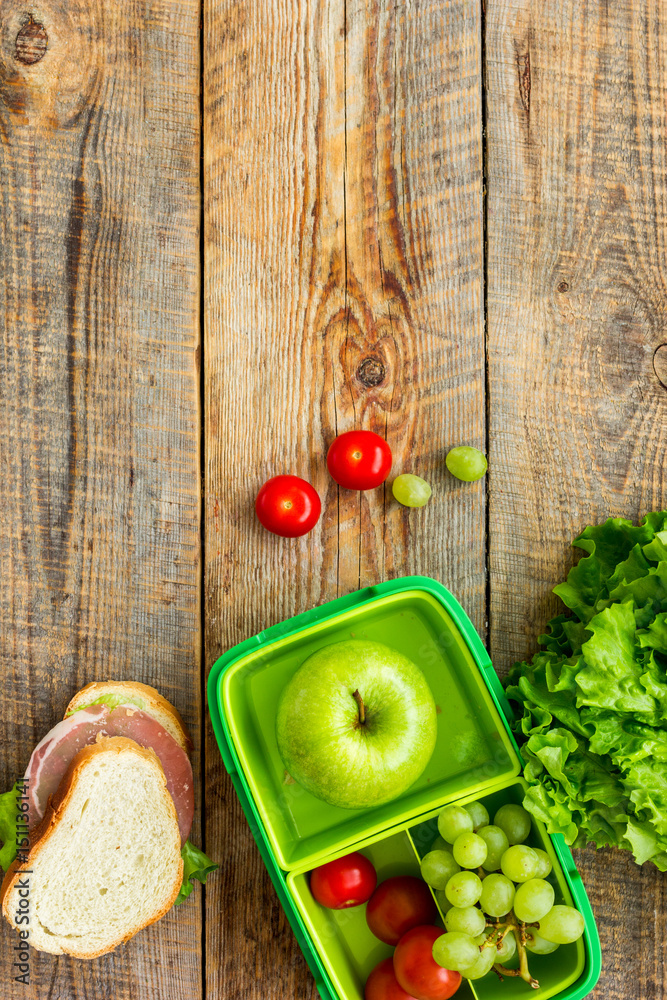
(475, 758)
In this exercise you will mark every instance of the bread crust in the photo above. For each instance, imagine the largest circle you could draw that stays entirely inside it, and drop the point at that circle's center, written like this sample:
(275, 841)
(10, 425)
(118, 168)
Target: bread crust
(54, 811)
(156, 705)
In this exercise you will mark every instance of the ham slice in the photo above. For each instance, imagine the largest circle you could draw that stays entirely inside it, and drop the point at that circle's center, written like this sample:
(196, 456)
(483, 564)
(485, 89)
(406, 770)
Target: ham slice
(53, 755)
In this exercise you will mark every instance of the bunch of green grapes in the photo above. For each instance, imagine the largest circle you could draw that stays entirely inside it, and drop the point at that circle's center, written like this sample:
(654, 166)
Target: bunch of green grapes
(493, 890)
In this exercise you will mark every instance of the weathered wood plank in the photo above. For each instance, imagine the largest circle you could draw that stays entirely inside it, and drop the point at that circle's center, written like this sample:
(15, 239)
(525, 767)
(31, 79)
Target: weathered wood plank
(576, 296)
(99, 411)
(343, 288)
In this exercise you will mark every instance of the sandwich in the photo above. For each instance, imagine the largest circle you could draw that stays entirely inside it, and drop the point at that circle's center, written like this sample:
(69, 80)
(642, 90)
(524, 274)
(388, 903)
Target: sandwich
(95, 835)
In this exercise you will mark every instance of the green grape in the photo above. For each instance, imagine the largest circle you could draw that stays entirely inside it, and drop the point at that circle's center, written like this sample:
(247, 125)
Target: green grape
(454, 950)
(497, 895)
(441, 845)
(481, 966)
(545, 863)
(515, 821)
(480, 816)
(466, 463)
(469, 850)
(437, 867)
(464, 889)
(519, 863)
(453, 821)
(537, 944)
(496, 845)
(442, 901)
(466, 919)
(562, 925)
(507, 949)
(533, 900)
(411, 491)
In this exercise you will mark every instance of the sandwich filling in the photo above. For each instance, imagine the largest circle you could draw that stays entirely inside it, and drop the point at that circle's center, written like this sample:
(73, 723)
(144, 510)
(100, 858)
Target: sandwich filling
(53, 755)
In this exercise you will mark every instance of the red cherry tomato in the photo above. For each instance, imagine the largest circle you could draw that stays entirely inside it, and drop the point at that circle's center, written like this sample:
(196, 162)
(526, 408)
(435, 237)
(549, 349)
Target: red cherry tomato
(382, 983)
(359, 460)
(399, 904)
(416, 969)
(347, 881)
(288, 506)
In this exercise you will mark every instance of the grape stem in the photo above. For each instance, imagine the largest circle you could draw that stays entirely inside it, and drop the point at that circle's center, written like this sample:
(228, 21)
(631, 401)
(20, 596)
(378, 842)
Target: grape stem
(496, 941)
(510, 923)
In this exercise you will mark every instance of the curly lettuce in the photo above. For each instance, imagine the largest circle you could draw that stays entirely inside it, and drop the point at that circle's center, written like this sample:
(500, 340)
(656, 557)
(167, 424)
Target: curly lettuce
(592, 702)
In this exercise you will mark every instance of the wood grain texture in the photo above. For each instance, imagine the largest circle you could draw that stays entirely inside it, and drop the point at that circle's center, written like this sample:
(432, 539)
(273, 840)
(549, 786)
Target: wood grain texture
(99, 412)
(343, 288)
(576, 300)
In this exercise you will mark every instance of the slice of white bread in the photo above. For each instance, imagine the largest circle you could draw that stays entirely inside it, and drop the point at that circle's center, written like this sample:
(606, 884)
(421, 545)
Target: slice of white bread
(146, 697)
(106, 859)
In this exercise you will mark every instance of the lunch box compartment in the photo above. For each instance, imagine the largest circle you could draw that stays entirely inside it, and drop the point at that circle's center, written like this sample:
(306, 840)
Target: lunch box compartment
(476, 758)
(345, 945)
(472, 748)
(349, 951)
(563, 967)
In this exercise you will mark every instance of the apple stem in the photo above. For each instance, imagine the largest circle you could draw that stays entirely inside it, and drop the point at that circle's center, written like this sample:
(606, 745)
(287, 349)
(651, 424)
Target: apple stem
(360, 702)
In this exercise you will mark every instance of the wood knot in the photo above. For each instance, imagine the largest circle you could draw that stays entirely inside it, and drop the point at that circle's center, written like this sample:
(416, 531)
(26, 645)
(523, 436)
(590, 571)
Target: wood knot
(371, 372)
(562, 286)
(523, 67)
(660, 364)
(31, 42)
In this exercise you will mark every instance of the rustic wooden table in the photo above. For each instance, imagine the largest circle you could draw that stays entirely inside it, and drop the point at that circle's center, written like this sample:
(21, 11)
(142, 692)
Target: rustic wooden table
(442, 222)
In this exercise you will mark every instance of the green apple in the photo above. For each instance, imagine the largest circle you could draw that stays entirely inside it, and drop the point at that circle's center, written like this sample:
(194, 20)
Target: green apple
(356, 724)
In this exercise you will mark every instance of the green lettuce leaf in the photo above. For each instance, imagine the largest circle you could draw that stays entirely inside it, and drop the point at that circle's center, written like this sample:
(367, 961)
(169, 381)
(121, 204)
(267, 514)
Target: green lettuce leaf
(195, 865)
(540, 691)
(113, 701)
(8, 821)
(656, 549)
(607, 545)
(643, 840)
(592, 703)
(646, 782)
(611, 676)
(648, 593)
(655, 636)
